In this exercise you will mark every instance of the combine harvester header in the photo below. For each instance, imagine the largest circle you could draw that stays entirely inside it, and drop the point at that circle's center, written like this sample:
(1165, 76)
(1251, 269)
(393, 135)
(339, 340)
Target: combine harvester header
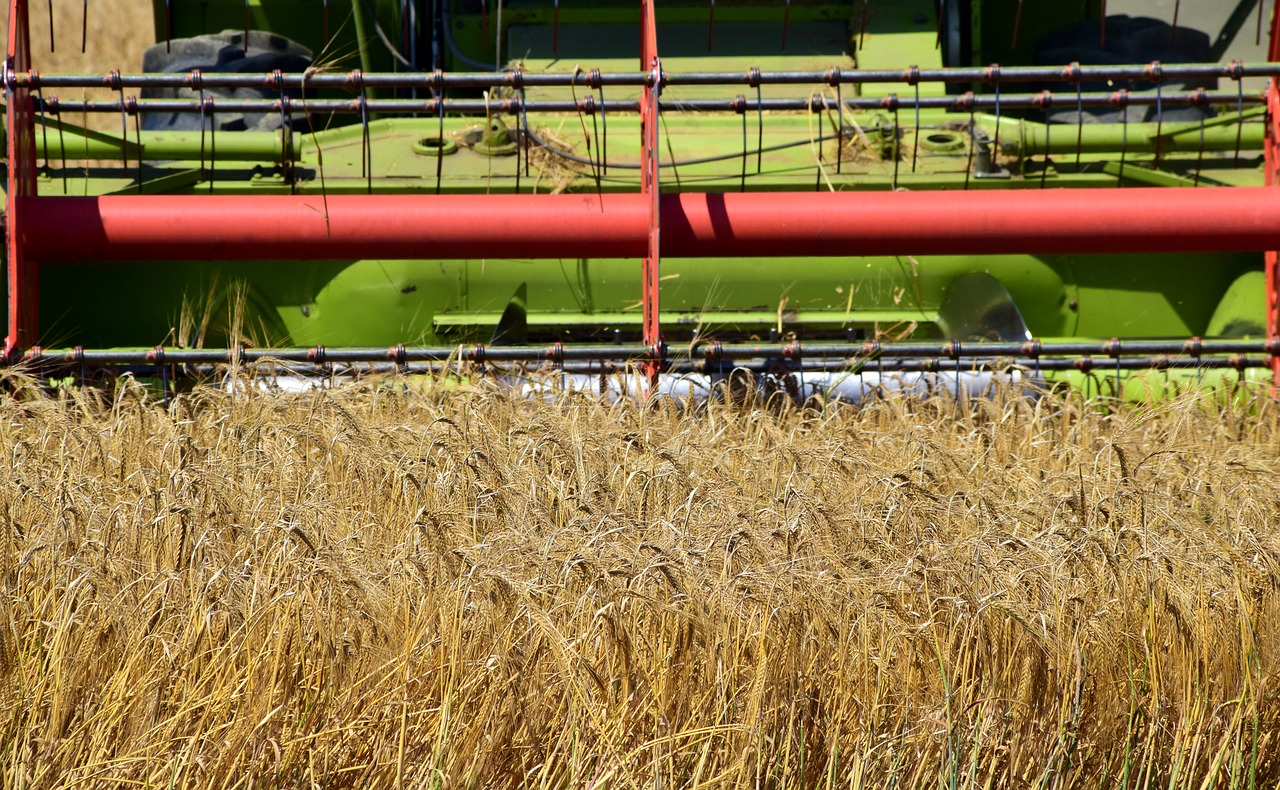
(835, 198)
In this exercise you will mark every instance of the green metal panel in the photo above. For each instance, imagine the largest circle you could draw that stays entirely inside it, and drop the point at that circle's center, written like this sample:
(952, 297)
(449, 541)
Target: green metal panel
(376, 302)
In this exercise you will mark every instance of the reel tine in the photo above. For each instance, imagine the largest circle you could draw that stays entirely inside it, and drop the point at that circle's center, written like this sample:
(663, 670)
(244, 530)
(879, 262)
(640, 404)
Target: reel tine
(1257, 37)
(759, 129)
(1237, 69)
(51, 44)
(200, 89)
(973, 142)
(1046, 103)
(786, 22)
(440, 113)
(942, 14)
(44, 123)
(62, 144)
(84, 26)
(1122, 97)
(114, 78)
(817, 183)
(1200, 153)
(897, 137)
(1159, 121)
(711, 24)
(1017, 23)
(913, 73)
(137, 136)
(1079, 123)
(555, 28)
(168, 25)
(213, 140)
(1173, 30)
(839, 127)
(246, 27)
(1102, 34)
(604, 124)
(862, 27)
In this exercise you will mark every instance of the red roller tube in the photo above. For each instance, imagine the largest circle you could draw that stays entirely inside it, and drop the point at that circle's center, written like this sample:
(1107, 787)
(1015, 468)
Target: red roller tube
(693, 225)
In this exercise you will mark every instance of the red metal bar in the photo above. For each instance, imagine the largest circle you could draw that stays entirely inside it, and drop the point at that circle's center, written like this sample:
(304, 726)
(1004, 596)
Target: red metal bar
(651, 278)
(24, 294)
(1272, 154)
(287, 227)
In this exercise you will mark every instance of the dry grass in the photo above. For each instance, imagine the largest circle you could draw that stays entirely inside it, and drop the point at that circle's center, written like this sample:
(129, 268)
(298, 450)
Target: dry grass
(370, 588)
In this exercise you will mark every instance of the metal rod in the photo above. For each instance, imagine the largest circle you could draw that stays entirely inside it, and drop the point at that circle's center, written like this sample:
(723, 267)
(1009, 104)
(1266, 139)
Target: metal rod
(1081, 355)
(345, 227)
(374, 79)
(515, 106)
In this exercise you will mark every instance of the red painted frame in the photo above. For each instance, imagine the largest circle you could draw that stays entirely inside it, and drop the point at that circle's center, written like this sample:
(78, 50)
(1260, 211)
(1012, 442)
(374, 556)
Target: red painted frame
(24, 275)
(1272, 152)
(651, 276)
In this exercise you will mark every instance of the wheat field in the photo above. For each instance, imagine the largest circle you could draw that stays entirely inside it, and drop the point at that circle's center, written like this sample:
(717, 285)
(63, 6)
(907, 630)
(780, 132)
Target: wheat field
(374, 587)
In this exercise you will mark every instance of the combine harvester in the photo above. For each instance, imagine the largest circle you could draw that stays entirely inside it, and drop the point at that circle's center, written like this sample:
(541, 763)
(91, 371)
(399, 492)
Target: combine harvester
(836, 198)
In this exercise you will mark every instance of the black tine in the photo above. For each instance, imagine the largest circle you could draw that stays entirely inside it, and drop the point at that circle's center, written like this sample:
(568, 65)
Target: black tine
(440, 159)
(1239, 116)
(202, 125)
(817, 182)
(896, 137)
(1159, 121)
(915, 139)
(604, 128)
(595, 135)
(862, 29)
(743, 184)
(1017, 24)
(1124, 141)
(759, 130)
(786, 22)
(524, 123)
(366, 153)
(973, 141)
(1044, 166)
(213, 141)
(1173, 31)
(1079, 122)
(995, 145)
(1102, 35)
(137, 136)
(62, 144)
(168, 25)
(1200, 153)
(124, 124)
(44, 123)
(51, 44)
(711, 24)
(84, 26)
(839, 128)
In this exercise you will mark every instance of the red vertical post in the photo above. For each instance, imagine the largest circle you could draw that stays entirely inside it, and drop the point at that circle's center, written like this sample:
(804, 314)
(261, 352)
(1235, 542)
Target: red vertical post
(1272, 151)
(24, 295)
(652, 63)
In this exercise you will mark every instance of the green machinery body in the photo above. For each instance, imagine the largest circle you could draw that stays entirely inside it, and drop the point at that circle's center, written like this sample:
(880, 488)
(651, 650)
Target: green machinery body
(428, 301)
